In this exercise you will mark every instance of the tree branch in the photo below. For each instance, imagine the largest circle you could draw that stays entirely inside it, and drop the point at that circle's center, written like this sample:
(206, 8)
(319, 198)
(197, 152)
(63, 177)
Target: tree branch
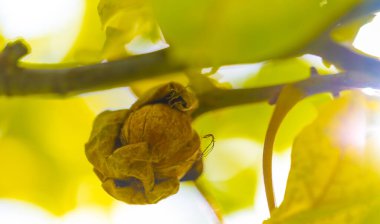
(343, 57)
(16, 80)
(221, 98)
(67, 81)
(366, 8)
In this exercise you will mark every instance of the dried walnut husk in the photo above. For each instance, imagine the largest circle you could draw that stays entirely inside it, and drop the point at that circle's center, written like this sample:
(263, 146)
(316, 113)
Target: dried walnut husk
(141, 154)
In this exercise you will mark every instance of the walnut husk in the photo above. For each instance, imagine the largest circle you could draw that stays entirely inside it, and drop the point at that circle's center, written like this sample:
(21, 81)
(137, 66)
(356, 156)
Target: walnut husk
(141, 154)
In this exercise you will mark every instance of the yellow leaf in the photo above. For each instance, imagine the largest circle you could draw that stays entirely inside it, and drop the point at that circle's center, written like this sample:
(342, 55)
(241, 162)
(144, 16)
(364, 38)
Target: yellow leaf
(2, 42)
(347, 32)
(235, 193)
(25, 174)
(334, 176)
(123, 21)
(231, 174)
(42, 155)
(88, 45)
(280, 71)
(251, 121)
(141, 86)
(288, 98)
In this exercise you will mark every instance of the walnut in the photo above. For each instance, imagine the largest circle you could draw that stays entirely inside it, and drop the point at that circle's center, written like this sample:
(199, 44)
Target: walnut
(142, 154)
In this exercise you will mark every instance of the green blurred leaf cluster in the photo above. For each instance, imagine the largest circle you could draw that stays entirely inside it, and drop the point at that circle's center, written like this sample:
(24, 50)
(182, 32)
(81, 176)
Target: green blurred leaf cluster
(224, 32)
(231, 174)
(41, 151)
(125, 20)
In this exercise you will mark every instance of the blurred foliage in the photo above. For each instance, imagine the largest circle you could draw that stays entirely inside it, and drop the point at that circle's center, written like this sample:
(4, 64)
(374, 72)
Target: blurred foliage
(346, 33)
(50, 40)
(235, 193)
(2, 42)
(251, 121)
(125, 20)
(89, 43)
(231, 173)
(222, 32)
(42, 140)
(334, 174)
(141, 86)
(42, 155)
(278, 71)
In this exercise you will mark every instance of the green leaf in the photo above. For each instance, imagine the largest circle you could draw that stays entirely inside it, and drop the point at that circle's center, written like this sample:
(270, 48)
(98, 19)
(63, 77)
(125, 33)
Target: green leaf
(235, 193)
(334, 175)
(125, 20)
(243, 31)
(231, 174)
(279, 71)
(141, 86)
(348, 32)
(245, 121)
(2, 42)
(88, 45)
(42, 156)
(251, 121)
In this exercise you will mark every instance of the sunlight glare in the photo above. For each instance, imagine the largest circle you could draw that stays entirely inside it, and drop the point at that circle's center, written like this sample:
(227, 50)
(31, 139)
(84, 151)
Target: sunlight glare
(18, 212)
(368, 37)
(93, 215)
(141, 45)
(25, 18)
(49, 27)
(236, 75)
(371, 92)
(186, 207)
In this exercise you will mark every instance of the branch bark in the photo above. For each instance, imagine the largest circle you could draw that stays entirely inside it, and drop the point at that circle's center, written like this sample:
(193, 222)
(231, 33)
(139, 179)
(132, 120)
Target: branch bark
(221, 98)
(16, 80)
(345, 58)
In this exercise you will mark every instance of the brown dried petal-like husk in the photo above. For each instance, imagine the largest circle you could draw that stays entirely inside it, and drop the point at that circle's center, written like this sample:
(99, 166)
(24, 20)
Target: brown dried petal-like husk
(169, 135)
(163, 93)
(141, 154)
(104, 136)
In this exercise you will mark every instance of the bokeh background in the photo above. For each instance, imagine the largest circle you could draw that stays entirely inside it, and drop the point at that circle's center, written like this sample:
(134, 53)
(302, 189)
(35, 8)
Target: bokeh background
(45, 177)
